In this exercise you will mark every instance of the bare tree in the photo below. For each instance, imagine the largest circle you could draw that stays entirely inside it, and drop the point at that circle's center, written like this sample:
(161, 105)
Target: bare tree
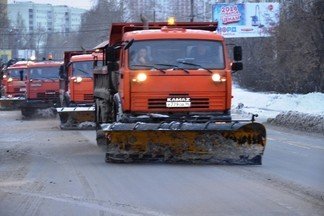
(95, 26)
(4, 27)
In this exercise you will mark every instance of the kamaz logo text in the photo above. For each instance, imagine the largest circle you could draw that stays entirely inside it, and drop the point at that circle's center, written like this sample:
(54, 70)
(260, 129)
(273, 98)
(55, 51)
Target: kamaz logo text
(178, 99)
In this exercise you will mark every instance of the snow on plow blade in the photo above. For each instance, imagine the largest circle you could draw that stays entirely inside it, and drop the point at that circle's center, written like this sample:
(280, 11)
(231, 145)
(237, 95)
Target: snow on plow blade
(76, 117)
(11, 103)
(225, 143)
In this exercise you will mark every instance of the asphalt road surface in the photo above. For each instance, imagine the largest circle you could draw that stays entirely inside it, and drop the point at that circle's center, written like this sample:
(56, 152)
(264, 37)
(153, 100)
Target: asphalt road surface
(46, 171)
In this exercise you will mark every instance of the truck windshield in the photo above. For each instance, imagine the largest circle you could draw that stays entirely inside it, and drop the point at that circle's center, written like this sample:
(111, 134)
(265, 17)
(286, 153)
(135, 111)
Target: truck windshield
(83, 68)
(16, 73)
(44, 73)
(199, 53)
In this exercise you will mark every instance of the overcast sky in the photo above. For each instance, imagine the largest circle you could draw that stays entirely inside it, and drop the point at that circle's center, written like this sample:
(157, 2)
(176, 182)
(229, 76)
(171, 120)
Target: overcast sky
(85, 4)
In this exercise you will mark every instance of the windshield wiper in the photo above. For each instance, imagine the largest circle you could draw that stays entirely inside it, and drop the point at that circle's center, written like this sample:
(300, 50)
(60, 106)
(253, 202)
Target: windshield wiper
(85, 72)
(150, 66)
(48, 78)
(174, 67)
(193, 64)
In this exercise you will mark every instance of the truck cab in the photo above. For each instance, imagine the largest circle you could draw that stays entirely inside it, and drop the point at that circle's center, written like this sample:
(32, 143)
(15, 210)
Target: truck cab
(42, 86)
(80, 78)
(186, 72)
(15, 80)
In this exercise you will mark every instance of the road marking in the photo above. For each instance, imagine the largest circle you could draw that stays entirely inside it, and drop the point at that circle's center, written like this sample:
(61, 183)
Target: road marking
(292, 143)
(297, 144)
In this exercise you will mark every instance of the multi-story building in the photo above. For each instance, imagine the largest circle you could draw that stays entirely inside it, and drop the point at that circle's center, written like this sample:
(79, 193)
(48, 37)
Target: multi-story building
(46, 17)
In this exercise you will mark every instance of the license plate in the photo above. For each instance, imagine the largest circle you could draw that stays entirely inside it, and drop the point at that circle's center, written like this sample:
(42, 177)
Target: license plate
(50, 93)
(178, 102)
(22, 89)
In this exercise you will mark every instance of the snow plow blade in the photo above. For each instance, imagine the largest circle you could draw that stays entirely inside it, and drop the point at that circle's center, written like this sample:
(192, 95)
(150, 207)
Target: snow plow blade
(76, 118)
(11, 103)
(208, 143)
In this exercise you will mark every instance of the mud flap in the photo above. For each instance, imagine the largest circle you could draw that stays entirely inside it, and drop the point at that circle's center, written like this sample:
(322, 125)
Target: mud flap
(226, 143)
(76, 117)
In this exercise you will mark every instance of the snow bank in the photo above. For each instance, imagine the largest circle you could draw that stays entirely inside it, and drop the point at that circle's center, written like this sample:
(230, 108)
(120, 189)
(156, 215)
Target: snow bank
(299, 121)
(298, 111)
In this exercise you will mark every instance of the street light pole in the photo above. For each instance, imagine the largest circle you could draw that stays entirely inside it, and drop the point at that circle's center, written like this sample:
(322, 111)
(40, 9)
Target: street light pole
(191, 10)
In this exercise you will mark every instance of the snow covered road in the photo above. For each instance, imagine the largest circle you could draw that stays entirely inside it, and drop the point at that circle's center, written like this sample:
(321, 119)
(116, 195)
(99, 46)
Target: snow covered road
(46, 171)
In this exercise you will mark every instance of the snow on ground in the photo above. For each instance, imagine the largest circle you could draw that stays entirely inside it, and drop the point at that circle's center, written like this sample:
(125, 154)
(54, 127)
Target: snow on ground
(298, 111)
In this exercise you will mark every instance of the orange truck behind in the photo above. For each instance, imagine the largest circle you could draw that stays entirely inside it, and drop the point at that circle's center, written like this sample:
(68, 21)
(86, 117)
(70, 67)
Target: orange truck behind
(42, 86)
(14, 86)
(76, 90)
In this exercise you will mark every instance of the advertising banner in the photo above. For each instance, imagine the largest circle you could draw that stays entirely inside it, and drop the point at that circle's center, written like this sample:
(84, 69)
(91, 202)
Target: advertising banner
(246, 20)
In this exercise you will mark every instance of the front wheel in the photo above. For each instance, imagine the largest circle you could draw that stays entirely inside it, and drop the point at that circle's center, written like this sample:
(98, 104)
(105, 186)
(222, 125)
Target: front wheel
(101, 140)
(27, 113)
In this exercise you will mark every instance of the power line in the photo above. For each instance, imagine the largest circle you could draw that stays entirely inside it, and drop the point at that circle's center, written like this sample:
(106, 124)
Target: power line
(38, 33)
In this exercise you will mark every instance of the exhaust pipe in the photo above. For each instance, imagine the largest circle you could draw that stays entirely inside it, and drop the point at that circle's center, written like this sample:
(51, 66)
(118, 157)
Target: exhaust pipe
(144, 21)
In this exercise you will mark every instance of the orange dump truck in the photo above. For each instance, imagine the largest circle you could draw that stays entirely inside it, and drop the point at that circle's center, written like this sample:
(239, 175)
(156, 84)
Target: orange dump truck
(14, 86)
(164, 94)
(42, 87)
(76, 90)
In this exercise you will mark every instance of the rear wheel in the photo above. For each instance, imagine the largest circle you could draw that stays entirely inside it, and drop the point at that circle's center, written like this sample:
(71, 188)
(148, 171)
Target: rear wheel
(63, 117)
(27, 112)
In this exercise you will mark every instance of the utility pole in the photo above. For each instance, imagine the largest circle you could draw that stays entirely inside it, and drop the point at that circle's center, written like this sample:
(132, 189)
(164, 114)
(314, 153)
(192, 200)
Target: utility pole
(191, 10)
(154, 15)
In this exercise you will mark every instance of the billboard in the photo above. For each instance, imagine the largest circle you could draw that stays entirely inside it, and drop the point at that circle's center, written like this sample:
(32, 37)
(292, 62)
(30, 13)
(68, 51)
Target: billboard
(246, 20)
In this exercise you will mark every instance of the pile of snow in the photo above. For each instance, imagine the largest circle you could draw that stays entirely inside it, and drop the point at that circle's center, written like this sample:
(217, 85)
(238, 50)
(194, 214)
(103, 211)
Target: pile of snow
(298, 111)
(87, 125)
(300, 121)
(45, 113)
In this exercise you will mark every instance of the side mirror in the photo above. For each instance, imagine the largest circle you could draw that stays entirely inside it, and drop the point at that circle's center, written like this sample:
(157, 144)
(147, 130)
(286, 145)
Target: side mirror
(111, 54)
(95, 63)
(236, 66)
(237, 51)
(62, 72)
(129, 44)
(21, 73)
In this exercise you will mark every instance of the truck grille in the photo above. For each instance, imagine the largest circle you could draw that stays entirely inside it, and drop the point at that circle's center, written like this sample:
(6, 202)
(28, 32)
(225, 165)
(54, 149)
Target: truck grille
(88, 97)
(48, 95)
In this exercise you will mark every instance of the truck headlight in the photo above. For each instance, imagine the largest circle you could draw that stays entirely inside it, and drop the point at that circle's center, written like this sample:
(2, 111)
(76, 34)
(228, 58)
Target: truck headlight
(9, 79)
(78, 79)
(141, 77)
(216, 78)
(4, 76)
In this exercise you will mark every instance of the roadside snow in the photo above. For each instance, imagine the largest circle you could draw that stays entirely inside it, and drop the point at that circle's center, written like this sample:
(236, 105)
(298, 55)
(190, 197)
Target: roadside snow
(298, 111)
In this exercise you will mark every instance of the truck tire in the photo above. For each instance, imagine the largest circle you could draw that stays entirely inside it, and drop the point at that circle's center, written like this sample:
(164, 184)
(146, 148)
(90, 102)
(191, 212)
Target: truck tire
(101, 140)
(27, 113)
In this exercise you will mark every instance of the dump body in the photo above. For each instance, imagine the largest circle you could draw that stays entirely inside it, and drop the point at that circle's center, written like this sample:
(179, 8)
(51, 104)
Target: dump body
(77, 111)
(171, 75)
(14, 86)
(42, 86)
